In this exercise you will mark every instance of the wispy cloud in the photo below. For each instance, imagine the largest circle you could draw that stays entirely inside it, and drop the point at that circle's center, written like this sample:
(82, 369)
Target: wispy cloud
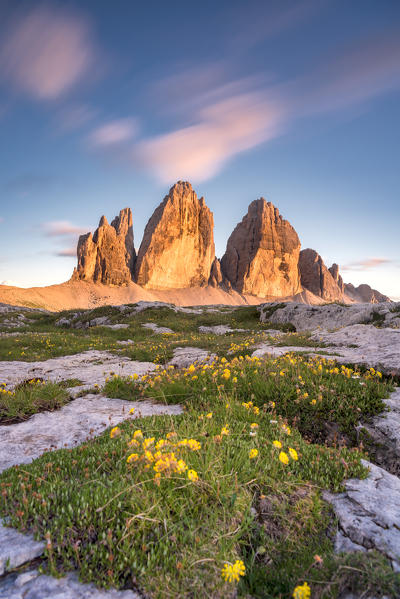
(220, 131)
(61, 228)
(27, 183)
(74, 117)
(46, 52)
(357, 73)
(367, 264)
(114, 133)
(67, 253)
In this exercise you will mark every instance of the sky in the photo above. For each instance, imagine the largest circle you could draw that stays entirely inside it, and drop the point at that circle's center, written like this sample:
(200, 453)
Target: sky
(105, 105)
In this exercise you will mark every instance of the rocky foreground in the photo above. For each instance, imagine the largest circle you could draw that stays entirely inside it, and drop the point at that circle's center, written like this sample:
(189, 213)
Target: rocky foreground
(364, 335)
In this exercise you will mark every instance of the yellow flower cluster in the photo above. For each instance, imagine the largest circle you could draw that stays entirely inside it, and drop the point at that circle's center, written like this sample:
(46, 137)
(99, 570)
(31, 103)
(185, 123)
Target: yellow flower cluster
(233, 572)
(250, 406)
(163, 455)
(302, 592)
(283, 456)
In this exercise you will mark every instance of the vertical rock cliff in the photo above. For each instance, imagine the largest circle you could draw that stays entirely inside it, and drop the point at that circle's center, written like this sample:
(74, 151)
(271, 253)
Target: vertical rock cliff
(177, 250)
(317, 278)
(262, 253)
(108, 256)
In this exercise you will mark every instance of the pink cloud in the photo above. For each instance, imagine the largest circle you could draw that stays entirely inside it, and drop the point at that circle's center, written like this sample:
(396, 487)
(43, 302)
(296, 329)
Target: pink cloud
(60, 228)
(222, 129)
(367, 264)
(67, 253)
(46, 52)
(113, 133)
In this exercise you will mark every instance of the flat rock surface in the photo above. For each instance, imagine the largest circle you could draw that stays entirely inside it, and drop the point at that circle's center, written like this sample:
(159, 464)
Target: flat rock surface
(71, 425)
(160, 330)
(91, 367)
(17, 549)
(379, 348)
(330, 316)
(369, 513)
(220, 329)
(185, 356)
(33, 585)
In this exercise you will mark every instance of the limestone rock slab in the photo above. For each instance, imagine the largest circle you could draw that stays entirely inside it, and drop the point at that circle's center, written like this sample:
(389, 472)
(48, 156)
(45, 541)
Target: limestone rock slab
(368, 512)
(70, 426)
(16, 549)
(91, 367)
(33, 585)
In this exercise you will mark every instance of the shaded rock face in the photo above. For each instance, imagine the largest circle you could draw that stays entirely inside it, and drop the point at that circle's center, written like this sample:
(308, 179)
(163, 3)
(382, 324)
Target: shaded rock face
(334, 270)
(178, 249)
(318, 279)
(262, 253)
(108, 256)
(365, 293)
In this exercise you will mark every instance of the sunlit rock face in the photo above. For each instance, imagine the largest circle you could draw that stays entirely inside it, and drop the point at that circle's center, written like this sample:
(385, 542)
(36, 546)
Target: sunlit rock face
(318, 279)
(262, 253)
(108, 256)
(178, 249)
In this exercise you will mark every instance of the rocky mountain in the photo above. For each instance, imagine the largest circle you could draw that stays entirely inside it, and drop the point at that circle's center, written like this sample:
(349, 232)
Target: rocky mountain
(317, 278)
(365, 294)
(262, 253)
(177, 253)
(177, 250)
(108, 256)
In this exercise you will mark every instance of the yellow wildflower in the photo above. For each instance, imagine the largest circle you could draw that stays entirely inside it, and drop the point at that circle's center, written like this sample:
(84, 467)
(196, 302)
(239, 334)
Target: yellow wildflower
(232, 573)
(171, 435)
(277, 444)
(293, 454)
(283, 457)
(191, 368)
(224, 431)
(132, 458)
(253, 453)
(138, 434)
(302, 592)
(226, 373)
(286, 429)
(209, 415)
(132, 410)
(114, 432)
(134, 443)
(253, 425)
(192, 475)
(148, 442)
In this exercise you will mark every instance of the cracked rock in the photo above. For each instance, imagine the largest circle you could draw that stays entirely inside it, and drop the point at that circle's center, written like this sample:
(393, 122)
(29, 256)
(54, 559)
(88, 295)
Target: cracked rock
(369, 513)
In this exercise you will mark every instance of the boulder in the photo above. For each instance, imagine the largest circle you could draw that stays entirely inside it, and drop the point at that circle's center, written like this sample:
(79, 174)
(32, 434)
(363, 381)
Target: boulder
(177, 250)
(108, 256)
(262, 253)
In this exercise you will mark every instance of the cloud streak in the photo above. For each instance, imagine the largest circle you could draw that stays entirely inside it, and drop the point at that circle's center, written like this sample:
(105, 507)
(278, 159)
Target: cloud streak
(46, 52)
(221, 130)
(67, 253)
(61, 228)
(367, 264)
(113, 133)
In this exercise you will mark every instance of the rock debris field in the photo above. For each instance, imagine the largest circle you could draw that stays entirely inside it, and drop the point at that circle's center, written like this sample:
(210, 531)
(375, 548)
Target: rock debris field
(367, 511)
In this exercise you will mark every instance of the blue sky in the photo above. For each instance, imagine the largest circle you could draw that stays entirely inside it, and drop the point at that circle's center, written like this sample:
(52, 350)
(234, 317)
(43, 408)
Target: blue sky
(105, 105)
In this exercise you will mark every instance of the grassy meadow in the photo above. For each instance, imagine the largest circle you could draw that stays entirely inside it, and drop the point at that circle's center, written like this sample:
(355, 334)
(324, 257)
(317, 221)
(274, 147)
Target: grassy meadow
(221, 501)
